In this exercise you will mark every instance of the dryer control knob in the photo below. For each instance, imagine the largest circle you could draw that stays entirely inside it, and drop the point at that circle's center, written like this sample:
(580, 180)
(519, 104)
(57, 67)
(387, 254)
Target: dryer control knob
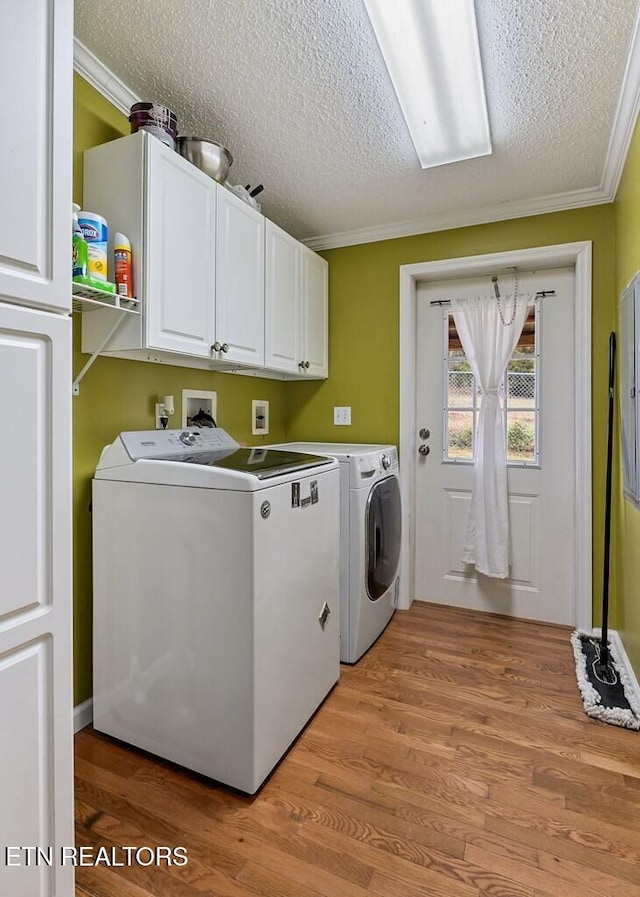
(386, 462)
(187, 438)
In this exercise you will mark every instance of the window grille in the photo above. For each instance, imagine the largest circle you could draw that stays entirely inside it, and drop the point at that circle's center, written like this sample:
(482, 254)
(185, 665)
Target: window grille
(521, 388)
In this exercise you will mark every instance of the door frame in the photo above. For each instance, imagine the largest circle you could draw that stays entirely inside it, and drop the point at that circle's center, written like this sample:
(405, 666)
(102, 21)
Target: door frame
(575, 255)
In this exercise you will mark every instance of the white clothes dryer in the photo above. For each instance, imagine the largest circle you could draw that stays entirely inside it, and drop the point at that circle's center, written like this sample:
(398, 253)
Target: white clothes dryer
(216, 578)
(370, 539)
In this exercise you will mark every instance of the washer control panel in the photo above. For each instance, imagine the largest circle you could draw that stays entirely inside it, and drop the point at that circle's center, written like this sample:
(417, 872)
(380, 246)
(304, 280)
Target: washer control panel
(372, 463)
(173, 443)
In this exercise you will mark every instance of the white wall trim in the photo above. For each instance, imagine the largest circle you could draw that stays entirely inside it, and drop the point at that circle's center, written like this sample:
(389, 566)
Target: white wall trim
(625, 118)
(558, 202)
(577, 255)
(83, 715)
(615, 640)
(99, 76)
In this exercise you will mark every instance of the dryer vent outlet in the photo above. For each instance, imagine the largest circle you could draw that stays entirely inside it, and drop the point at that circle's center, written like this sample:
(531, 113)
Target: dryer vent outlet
(259, 417)
(199, 408)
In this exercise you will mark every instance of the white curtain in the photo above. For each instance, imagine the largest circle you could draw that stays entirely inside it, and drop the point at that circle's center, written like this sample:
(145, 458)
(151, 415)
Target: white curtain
(489, 333)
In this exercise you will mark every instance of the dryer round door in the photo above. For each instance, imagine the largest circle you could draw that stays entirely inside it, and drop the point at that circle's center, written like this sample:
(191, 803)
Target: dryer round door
(382, 527)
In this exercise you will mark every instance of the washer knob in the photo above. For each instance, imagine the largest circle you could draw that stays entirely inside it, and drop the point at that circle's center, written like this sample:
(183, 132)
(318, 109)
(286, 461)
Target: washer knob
(187, 438)
(386, 462)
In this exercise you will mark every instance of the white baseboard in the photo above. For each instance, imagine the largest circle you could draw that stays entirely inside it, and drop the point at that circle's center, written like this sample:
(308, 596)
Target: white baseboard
(83, 715)
(623, 659)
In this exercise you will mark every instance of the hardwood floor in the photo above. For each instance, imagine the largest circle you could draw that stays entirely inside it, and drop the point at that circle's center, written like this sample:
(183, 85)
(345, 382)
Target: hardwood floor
(453, 761)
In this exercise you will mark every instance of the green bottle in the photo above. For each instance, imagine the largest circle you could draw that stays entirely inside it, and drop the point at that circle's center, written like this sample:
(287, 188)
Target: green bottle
(79, 249)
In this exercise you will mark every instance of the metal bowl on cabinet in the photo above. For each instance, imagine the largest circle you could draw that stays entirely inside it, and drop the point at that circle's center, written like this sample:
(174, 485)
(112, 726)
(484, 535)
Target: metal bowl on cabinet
(210, 157)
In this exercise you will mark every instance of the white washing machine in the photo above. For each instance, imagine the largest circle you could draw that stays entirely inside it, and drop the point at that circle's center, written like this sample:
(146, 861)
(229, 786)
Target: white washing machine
(216, 579)
(370, 536)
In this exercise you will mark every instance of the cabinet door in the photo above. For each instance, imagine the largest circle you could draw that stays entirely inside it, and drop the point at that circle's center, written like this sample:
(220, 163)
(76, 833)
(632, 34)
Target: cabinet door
(180, 253)
(239, 280)
(283, 301)
(36, 777)
(36, 67)
(315, 317)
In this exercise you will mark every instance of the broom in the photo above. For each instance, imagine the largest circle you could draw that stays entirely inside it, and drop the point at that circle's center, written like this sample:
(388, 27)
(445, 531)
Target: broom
(605, 686)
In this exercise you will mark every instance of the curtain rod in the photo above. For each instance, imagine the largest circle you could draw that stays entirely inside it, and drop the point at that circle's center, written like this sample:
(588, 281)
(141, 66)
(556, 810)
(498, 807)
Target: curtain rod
(539, 295)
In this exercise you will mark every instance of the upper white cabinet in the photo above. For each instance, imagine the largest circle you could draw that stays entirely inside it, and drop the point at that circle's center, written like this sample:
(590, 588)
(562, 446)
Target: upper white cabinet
(35, 152)
(296, 307)
(220, 286)
(176, 270)
(239, 281)
(314, 336)
(283, 301)
(167, 208)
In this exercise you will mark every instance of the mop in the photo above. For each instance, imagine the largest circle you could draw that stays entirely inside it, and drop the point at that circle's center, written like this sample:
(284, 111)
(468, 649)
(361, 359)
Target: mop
(605, 686)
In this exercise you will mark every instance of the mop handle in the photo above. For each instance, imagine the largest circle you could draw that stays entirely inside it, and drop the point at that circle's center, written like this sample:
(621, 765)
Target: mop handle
(604, 641)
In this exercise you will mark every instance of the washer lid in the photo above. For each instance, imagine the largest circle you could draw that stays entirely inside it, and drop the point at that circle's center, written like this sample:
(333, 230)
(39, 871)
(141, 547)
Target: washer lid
(199, 457)
(262, 463)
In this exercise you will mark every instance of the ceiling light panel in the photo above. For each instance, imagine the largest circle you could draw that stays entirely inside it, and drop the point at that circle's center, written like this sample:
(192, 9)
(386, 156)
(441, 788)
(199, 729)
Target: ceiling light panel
(431, 50)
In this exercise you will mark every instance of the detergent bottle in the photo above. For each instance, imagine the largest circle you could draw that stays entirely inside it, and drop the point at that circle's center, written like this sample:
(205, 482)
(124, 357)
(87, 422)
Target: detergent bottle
(79, 248)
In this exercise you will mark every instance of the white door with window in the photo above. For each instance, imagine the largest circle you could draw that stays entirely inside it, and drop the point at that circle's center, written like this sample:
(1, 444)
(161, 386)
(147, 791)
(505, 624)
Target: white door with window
(540, 433)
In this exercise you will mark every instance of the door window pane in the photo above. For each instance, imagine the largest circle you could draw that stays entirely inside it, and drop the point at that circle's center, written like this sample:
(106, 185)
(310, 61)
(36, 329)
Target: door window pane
(521, 436)
(460, 435)
(461, 389)
(520, 391)
(460, 400)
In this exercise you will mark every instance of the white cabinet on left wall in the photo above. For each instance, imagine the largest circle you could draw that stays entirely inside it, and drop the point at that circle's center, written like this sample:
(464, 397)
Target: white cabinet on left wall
(167, 209)
(36, 710)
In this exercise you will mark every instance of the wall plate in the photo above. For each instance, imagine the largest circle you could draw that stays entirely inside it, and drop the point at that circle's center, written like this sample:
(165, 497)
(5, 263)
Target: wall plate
(342, 415)
(259, 417)
(195, 399)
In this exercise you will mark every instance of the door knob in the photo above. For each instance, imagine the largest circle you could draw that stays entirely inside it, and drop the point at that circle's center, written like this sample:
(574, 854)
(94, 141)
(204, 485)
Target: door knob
(224, 347)
(424, 433)
(424, 449)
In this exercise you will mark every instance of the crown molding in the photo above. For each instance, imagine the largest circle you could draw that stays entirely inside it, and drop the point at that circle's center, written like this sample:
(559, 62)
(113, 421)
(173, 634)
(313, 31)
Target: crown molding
(625, 119)
(99, 76)
(557, 202)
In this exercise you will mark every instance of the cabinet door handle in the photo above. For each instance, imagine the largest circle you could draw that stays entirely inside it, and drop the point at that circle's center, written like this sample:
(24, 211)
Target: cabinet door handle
(225, 347)
(216, 347)
(301, 364)
(306, 364)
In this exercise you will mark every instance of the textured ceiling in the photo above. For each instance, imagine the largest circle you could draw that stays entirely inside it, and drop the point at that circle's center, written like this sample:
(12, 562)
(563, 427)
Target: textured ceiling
(298, 92)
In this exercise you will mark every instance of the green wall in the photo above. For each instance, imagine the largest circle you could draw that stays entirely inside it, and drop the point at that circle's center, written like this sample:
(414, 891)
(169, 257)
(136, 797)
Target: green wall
(626, 517)
(119, 395)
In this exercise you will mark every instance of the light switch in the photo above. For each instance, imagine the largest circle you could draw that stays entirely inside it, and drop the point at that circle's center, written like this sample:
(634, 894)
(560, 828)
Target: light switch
(342, 416)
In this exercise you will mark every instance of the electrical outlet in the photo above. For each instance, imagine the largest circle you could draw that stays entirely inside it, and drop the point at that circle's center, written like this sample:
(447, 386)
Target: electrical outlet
(162, 416)
(342, 416)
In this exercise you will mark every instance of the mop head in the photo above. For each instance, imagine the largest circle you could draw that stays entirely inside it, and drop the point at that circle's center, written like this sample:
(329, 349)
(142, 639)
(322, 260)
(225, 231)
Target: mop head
(607, 692)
